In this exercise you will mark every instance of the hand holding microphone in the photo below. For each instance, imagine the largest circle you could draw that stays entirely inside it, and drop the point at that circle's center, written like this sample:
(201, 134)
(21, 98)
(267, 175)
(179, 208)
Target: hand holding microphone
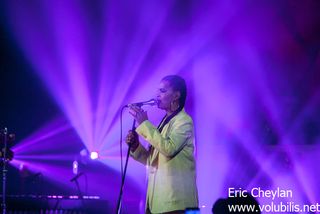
(137, 112)
(140, 116)
(132, 140)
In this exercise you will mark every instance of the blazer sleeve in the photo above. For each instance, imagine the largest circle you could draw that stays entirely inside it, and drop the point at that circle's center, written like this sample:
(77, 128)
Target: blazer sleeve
(179, 133)
(140, 154)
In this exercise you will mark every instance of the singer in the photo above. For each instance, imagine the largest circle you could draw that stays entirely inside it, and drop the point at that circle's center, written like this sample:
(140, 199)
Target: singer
(170, 156)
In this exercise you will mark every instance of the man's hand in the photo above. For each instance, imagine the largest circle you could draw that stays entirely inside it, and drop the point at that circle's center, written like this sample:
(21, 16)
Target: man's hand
(132, 140)
(138, 113)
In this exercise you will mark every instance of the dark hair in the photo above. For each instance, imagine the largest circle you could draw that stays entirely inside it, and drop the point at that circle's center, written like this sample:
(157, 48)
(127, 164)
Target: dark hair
(178, 84)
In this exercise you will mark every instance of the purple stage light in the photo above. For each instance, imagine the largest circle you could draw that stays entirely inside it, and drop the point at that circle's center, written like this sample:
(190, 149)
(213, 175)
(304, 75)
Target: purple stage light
(248, 67)
(84, 153)
(75, 167)
(21, 167)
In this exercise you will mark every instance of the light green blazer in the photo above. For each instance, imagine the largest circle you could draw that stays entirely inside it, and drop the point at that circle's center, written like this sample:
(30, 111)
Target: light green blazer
(171, 164)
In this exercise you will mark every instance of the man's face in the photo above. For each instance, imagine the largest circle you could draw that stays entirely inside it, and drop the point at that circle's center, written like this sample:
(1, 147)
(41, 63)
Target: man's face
(166, 95)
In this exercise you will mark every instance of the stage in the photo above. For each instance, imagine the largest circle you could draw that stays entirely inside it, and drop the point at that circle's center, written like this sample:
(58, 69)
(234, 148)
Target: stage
(69, 67)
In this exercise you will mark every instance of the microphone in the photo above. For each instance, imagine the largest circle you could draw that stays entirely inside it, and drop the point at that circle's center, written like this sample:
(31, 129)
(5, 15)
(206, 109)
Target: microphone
(76, 177)
(150, 102)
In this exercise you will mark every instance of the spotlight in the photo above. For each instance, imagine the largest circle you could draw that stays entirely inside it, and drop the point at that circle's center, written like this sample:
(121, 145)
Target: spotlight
(21, 166)
(75, 166)
(94, 155)
(83, 153)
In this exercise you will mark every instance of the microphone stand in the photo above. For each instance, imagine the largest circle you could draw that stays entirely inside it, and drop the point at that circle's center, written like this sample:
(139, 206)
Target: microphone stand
(75, 179)
(4, 171)
(124, 173)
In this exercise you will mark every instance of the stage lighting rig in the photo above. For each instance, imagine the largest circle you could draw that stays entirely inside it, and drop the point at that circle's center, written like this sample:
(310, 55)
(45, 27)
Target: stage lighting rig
(6, 155)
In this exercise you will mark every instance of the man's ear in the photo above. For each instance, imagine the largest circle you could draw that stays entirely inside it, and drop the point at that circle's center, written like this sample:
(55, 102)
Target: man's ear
(177, 95)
